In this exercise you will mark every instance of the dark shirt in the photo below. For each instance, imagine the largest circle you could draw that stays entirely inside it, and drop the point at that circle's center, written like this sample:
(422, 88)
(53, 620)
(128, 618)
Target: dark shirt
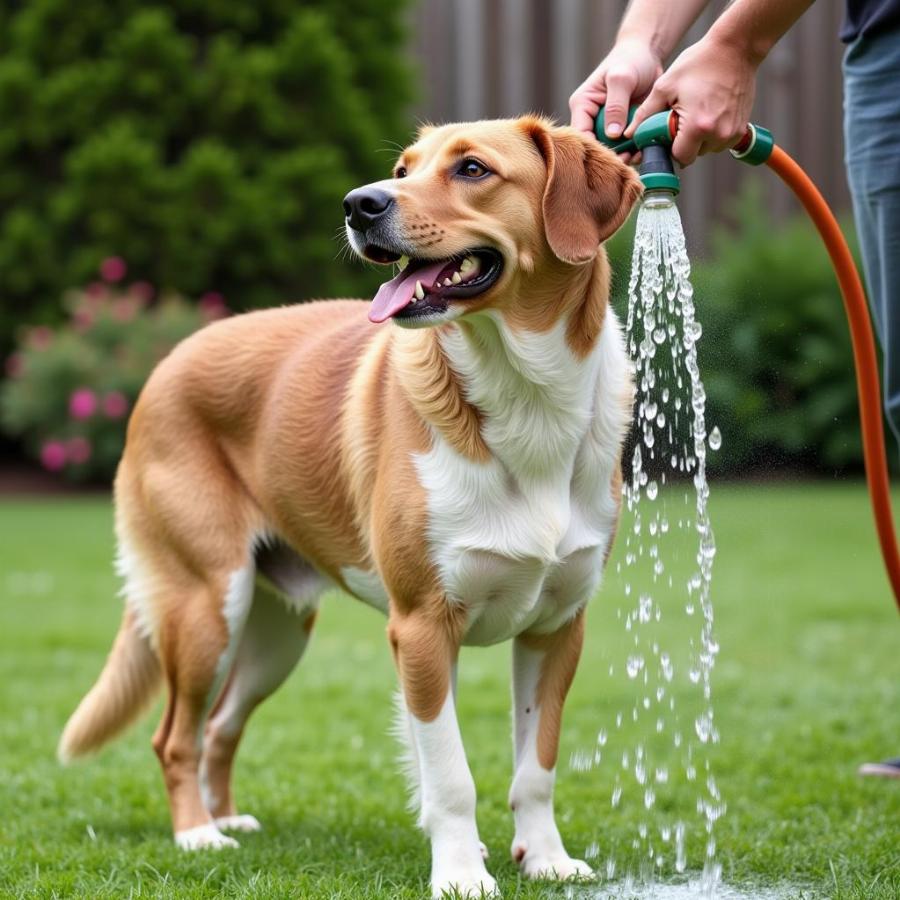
(869, 18)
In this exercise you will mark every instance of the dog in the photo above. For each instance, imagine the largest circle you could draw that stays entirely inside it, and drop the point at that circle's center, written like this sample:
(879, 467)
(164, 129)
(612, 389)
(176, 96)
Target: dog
(449, 454)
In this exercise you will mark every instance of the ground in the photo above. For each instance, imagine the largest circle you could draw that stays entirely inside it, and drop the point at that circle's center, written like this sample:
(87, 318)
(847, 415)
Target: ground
(805, 688)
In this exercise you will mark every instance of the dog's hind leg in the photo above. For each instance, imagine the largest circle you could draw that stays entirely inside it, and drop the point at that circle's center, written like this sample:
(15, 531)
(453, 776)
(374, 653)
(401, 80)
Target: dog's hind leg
(275, 636)
(543, 668)
(199, 627)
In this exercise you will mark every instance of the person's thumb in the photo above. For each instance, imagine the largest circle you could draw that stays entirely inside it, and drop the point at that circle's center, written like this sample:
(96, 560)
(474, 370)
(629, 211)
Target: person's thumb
(619, 88)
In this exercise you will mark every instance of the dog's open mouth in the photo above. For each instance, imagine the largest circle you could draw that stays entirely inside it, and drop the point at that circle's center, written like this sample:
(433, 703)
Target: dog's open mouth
(425, 287)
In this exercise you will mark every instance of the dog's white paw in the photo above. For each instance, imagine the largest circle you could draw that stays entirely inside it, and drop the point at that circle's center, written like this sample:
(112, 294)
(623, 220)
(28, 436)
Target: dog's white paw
(472, 886)
(484, 850)
(238, 823)
(203, 837)
(550, 866)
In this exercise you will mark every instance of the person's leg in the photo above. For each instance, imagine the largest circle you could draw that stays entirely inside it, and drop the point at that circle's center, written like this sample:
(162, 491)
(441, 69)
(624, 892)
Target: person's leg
(871, 129)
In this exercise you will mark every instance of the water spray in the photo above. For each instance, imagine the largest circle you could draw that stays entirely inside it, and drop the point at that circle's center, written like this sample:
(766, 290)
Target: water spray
(653, 139)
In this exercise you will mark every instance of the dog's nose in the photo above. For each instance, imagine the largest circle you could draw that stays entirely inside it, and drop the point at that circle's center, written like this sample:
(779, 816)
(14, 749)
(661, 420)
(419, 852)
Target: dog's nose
(365, 206)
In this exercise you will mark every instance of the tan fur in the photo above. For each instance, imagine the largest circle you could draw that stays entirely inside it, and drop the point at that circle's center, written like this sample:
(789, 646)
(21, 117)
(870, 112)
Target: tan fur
(129, 681)
(303, 422)
(562, 650)
(436, 393)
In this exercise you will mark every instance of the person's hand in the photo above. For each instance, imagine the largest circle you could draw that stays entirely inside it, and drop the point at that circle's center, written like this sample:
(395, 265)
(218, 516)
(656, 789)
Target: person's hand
(627, 73)
(710, 86)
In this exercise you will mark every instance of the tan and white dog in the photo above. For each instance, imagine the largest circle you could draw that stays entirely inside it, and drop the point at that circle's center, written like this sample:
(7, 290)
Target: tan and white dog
(456, 468)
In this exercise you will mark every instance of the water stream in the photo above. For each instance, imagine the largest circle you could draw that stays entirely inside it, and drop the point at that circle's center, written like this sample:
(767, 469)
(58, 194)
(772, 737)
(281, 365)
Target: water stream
(657, 752)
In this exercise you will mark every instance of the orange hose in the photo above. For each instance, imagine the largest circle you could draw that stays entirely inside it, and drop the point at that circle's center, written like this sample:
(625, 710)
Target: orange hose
(867, 381)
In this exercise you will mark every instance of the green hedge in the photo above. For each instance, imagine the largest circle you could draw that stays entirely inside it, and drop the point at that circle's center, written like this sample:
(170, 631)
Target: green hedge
(209, 144)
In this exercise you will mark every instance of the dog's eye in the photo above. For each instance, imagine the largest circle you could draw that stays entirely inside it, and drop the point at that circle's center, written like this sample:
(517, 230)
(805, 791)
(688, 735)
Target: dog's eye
(471, 168)
(401, 172)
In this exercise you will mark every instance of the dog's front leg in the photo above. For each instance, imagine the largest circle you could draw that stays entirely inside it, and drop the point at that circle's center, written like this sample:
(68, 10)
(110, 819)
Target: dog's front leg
(425, 651)
(543, 668)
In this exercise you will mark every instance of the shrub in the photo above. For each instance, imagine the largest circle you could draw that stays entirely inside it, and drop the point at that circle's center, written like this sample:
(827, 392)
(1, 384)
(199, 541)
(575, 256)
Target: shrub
(776, 351)
(209, 144)
(69, 390)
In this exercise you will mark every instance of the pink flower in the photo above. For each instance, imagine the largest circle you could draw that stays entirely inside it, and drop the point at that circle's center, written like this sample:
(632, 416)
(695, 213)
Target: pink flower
(115, 405)
(53, 456)
(78, 450)
(124, 308)
(40, 338)
(82, 319)
(96, 290)
(212, 305)
(113, 268)
(15, 365)
(143, 290)
(82, 403)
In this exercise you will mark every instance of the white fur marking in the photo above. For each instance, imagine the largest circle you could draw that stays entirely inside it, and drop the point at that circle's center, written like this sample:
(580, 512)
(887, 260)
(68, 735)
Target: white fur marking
(203, 837)
(537, 846)
(520, 540)
(448, 807)
(138, 587)
(244, 823)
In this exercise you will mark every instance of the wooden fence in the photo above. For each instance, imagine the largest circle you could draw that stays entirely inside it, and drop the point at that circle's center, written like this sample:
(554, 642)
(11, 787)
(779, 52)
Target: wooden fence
(490, 58)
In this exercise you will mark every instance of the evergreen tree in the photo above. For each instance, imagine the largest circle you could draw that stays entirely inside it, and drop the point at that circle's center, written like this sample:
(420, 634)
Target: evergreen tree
(208, 143)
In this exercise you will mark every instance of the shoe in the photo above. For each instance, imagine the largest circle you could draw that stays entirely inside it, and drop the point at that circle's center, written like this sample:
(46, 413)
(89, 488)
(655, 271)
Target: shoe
(890, 768)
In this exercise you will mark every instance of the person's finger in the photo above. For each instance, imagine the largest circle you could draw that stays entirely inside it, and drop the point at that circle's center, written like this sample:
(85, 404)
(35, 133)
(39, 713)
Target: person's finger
(584, 110)
(721, 136)
(620, 85)
(656, 101)
(687, 143)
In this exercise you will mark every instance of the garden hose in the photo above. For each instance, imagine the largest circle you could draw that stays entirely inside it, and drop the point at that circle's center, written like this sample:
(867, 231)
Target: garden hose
(865, 358)
(757, 147)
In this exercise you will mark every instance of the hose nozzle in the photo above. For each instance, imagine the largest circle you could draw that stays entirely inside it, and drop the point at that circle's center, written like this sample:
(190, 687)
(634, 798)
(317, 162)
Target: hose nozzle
(653, 139)
(654, 136)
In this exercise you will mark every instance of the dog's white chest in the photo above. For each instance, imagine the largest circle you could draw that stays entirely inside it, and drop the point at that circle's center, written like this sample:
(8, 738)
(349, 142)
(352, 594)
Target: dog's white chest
(520, 541)
(516, 556)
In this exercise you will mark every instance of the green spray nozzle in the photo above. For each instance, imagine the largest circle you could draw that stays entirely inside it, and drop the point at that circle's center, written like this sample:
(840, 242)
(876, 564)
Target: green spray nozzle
(658, 131)
(653, 138)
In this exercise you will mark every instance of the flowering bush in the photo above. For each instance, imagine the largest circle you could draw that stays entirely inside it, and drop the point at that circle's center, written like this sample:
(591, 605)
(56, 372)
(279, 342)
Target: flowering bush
(209, 143)
(69, 391)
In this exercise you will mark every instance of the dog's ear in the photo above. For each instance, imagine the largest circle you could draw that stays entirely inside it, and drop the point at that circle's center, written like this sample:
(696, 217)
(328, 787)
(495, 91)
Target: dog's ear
(588, 194)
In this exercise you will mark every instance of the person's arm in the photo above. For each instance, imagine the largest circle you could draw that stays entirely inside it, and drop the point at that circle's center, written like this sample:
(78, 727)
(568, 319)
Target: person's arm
(711, 84)
(649, 32)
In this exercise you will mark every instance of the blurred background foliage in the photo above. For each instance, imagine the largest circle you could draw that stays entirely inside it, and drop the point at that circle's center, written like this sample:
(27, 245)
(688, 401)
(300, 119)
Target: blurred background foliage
(203, 149)
(208, 143)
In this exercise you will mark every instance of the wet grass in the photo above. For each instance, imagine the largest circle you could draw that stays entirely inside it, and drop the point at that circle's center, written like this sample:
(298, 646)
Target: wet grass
(806, 688)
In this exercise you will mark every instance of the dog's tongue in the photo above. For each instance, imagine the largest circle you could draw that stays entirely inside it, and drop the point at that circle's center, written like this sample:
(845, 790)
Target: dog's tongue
(399, 292)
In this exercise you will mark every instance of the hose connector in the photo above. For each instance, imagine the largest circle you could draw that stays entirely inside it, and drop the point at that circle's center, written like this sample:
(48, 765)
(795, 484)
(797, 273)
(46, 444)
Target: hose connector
(755, 147)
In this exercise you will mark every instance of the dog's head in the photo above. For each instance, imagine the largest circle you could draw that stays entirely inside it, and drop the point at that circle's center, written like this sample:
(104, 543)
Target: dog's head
(477, 208)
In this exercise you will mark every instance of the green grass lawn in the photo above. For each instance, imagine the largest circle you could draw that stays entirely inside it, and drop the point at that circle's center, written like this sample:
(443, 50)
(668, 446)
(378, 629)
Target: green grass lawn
(805, 688)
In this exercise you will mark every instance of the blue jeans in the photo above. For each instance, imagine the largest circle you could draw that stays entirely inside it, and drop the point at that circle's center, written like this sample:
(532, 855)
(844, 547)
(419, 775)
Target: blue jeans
(872, 142)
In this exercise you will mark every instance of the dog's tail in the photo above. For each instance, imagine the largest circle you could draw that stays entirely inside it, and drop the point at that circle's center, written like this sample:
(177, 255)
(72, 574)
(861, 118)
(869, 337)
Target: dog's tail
(127, 684)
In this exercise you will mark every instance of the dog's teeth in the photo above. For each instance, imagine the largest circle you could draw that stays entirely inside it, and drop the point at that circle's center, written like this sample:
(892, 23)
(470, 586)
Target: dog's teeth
(420, 291)
(467, 264)
(402, 263)
(457, 278)
(447, 282)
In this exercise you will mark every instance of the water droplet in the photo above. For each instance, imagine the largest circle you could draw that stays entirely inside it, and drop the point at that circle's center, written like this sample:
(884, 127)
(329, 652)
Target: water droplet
(715, 438)
(652, 490)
